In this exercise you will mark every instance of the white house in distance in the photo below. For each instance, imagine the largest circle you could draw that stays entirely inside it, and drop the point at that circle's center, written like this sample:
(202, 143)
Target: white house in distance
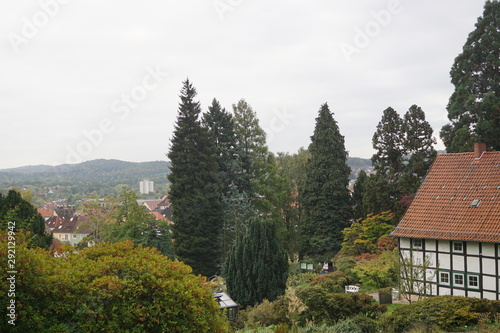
(454, 223)
(146, 186)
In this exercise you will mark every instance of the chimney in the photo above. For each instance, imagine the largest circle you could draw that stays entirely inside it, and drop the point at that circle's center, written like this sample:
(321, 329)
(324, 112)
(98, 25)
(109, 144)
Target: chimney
(479, 149)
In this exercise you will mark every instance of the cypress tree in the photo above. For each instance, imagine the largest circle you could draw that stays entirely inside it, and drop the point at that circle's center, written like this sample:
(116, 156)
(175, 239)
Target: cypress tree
(194, 190)
(474, 106)
(325, 198)
(257, 266)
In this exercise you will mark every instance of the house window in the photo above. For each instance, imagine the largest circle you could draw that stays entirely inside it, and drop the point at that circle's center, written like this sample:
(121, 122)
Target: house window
(444, 278)
(458, 280)
(417, 244)
(74, 236)
(473, 281)
(458, 247)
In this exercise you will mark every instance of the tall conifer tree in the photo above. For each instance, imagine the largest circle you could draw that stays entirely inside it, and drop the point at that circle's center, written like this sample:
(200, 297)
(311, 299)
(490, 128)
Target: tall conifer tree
(325, 197)
(194, 191)
(474, 106)
(257, 266)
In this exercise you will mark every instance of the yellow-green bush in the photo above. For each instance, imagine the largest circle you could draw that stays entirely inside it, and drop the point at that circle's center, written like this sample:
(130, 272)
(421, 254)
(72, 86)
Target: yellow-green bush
(447, 312)
(108, 288)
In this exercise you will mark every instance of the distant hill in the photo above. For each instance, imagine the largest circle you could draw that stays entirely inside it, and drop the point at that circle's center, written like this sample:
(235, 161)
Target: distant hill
(95, 173)
(100, 176)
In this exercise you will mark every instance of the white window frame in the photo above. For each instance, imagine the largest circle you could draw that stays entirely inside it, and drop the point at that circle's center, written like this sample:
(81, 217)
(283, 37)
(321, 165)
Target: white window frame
(74, 236)
(469, 281)
(447, 278)
(455, 250)
(418, 246)
(455, 284)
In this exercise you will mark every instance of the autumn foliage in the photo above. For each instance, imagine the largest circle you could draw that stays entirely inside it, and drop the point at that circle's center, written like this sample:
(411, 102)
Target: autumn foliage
(107, 288)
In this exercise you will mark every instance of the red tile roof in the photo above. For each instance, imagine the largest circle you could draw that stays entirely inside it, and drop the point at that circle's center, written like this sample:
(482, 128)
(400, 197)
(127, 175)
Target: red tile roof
(459, 200)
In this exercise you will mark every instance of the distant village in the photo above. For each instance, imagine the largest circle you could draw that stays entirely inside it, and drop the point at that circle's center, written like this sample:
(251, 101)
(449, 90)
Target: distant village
(69, 225)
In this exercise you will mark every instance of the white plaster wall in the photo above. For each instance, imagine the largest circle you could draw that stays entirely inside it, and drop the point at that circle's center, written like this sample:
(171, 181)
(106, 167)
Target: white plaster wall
(444, 246)
(458, 292)
(488, 249)
(444, 261)
(490, 296)
(404, 243)
(444, 291)
(431, 275)
(474, 294)
(433, 289)
(458, 263)
(430, 244)
(489, 283)
(431, 258)
(473, 265)
(472, 247)
(405, 254)
(488, 266)
(418, 257)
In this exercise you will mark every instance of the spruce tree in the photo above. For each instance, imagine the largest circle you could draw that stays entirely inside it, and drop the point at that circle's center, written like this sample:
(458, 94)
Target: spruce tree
(388, 141)
(257, 266)
(194, 190)
(220, 125)
(252, 148)
(419, 148)
(474, 106)
(325, 198)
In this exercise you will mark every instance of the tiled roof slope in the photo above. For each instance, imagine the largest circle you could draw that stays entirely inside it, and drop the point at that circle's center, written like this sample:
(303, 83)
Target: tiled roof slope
(446, 205)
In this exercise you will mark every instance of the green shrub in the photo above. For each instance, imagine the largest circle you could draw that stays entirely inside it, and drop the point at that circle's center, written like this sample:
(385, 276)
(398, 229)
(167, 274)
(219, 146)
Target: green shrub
(327, 307)
(358, 323)
(108, 288)
(281, 328)
(332, 282)
(317, 329)
(447, 312)
(346, 326)
(266, 313)
(300, 279)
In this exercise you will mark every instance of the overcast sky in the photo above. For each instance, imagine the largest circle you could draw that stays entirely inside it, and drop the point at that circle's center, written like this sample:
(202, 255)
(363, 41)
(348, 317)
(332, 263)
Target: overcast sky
(81, 80)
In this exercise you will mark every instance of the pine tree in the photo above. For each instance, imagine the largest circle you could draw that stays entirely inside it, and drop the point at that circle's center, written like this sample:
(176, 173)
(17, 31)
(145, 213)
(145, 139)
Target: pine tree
(325, 198)
(13, 208)
(474, 106)
(257, 267)
(194, 191)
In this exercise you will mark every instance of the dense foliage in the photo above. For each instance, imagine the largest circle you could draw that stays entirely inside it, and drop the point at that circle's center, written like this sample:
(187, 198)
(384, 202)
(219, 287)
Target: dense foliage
(324, 197)
(18, 213)
(107, 288)
(474, 106)
(257, 267)
(195, 192)
(448, 312)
